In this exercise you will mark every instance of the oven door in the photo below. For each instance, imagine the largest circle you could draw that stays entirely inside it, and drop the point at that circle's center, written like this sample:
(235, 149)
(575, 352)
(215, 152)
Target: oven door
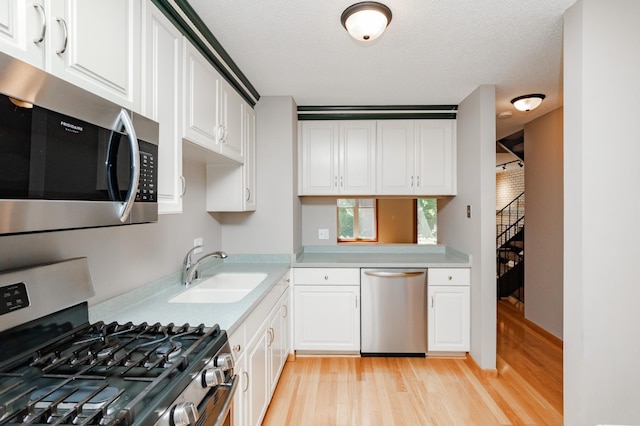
(216, 408)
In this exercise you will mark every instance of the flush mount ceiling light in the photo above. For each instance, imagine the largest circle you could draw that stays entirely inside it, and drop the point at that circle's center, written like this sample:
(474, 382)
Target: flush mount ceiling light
(528, 102)
(367, 20)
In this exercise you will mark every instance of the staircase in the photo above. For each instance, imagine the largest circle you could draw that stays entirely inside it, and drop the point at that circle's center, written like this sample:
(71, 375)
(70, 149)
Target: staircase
(510, 249)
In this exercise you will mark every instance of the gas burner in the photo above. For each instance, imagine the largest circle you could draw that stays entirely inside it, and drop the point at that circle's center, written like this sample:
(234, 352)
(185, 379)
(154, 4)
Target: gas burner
(170, 350)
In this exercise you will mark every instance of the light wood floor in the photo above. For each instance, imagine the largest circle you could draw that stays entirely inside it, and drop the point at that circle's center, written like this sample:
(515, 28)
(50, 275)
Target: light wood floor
(428, 391)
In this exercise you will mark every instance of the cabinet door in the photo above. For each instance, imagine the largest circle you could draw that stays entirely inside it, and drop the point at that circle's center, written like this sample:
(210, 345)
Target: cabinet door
(162, 93)
(275, 348)
(232, 187)
(202, 85)
(327, 318)
(448, 318)
(249, 166)
(357, 158)
(395, 152)
(96, 45)
(239, 407)
(435, 156)
(319, 158)
(257, 385)
(23, 30)
(231, 111)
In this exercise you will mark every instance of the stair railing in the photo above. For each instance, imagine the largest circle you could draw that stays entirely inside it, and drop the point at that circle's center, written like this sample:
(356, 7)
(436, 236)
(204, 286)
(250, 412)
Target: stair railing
(509, 220)
(510, 254)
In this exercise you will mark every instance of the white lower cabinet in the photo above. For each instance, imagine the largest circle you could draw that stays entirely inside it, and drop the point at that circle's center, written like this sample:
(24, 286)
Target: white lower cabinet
(327, 309)
(258, 366)
(448, 310)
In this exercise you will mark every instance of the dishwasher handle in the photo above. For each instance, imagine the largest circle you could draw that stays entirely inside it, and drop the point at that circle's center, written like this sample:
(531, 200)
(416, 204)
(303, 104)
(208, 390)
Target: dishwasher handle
(390, 274)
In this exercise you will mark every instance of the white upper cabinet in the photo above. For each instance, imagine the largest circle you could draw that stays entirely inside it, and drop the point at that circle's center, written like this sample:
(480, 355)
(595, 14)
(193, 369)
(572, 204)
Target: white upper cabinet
(396, 153)
(162, 94)
(213, 110)
(435, 144)
(416, 157)
(232, 187)
(23, 30)
(201, 93)
(230, 117)
(337, 158)
(92, 44)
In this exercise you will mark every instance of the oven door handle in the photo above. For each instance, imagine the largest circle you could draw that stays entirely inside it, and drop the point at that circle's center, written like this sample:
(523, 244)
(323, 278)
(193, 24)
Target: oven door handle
(233, 386)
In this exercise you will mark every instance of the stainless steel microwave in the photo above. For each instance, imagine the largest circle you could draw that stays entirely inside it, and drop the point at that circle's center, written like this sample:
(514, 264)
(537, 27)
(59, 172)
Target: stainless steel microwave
(70, 159)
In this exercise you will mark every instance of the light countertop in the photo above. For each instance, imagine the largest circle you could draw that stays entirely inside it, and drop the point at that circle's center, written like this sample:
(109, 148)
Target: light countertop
(381, 256)
(150, 303)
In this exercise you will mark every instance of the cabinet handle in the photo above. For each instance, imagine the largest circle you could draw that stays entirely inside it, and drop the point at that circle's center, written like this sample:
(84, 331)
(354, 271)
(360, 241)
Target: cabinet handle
(63, 24)
(237, 348)
(412, 181)
(285, 311)
(356, 302)
(450, 277)
(418, 181)
(225, 134)
(246, 381)
(432, 301)
(183, 182)
(335, 181)
(248, 194)
(43, 19)
(326, 277)
(341, 181)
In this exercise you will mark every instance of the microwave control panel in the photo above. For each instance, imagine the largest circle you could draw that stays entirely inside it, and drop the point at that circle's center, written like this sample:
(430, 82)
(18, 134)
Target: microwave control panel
(147, 187)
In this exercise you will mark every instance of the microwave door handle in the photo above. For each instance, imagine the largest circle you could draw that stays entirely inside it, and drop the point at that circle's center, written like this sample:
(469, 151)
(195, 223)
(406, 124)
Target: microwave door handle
(127, 205)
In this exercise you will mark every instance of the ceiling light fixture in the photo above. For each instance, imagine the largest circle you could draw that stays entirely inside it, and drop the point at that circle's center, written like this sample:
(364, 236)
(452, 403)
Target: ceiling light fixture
(366, 21)
(528, 102)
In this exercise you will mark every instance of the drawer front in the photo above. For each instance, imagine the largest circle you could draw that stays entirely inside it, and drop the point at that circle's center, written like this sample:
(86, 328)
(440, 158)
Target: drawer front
(237, 342)
(326, 276)
(449, 276)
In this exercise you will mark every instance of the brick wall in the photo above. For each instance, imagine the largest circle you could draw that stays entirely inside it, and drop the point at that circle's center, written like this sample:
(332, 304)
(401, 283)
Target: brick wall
(509, 184)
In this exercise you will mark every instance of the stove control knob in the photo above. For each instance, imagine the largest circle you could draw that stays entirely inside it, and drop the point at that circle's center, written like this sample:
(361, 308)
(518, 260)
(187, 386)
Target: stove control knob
(212, 378)
(224, 361)
(185, 414)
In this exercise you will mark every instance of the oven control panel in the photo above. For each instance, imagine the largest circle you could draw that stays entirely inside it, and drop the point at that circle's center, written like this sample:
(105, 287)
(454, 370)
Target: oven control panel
(13, 297)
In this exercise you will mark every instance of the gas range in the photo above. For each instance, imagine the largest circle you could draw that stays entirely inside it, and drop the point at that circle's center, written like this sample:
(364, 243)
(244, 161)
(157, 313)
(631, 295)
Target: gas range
(59, 369)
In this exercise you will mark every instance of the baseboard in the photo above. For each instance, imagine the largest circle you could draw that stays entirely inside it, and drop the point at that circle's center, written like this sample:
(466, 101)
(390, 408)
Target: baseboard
(553, 339)
(490, 372)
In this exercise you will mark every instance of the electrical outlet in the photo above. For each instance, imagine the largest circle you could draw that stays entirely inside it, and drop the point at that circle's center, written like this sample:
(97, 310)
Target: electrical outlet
(323, 234)
(197, 242)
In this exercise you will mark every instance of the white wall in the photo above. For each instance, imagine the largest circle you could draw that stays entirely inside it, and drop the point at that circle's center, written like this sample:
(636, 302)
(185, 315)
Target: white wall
(476, 166)
(125, 257)
(544, 222)
(275, 227)
(601, 205)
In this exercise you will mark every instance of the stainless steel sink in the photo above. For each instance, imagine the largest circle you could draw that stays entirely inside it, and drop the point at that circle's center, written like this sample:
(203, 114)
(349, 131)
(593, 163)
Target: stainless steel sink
(227, 287)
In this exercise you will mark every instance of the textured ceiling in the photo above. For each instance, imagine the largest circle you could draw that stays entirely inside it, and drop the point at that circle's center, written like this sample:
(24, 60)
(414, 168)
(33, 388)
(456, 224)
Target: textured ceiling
(433, 52)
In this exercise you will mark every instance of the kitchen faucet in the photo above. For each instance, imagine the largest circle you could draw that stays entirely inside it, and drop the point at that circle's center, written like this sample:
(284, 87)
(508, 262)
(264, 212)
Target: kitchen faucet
(189, 271)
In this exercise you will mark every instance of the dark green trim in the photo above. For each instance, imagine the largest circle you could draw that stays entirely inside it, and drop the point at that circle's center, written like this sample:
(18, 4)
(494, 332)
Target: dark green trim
(376, 112)
(247, 94)
(378, 108)
(379, 116)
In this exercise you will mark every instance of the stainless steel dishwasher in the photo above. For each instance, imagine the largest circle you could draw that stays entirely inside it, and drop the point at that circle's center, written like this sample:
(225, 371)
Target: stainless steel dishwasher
(393, 312)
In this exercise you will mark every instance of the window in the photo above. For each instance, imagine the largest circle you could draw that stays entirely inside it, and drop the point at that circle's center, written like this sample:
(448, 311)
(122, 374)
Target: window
(388, 220)
(427, 209)
(357, 219)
